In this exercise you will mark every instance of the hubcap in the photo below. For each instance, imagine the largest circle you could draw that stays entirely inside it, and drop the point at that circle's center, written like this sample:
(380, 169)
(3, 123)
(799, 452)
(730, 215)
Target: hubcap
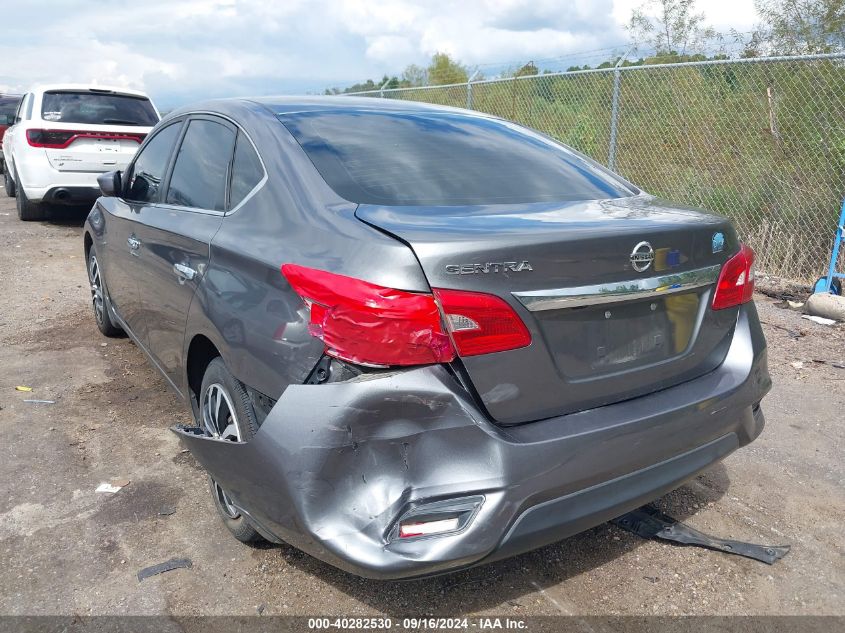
(225, 502)
(96, 289)
(218, 414)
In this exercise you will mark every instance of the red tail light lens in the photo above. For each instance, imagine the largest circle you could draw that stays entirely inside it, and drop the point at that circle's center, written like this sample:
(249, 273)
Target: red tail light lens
(736, 281)
(60, 139)
(368, 324)
(481, 323)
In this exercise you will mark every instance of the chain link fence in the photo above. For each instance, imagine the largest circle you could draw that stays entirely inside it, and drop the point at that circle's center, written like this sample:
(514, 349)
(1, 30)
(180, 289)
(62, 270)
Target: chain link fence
(759, 140)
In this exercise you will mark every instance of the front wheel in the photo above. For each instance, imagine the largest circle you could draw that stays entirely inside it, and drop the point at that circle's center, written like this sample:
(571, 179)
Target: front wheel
(100, 299)
(226, 413)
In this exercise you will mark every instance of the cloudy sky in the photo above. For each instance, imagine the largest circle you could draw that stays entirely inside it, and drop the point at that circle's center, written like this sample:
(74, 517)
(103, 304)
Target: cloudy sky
(182, 51)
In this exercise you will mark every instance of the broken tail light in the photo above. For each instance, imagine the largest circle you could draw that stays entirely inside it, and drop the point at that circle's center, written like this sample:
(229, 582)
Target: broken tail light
(736, 280)
(368, 324)
(60, 139)
(364, 323)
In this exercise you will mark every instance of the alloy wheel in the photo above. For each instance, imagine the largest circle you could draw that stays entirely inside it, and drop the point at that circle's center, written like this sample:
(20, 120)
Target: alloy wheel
(96, 289)
(225, 502)
(218, 414)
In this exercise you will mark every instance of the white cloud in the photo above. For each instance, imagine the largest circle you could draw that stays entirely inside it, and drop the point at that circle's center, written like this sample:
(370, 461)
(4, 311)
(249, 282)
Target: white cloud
(192, 49)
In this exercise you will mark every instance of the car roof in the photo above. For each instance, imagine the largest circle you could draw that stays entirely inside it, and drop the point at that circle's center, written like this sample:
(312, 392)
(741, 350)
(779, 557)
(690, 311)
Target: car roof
(285, 105)
(288, 105)
(94, 87)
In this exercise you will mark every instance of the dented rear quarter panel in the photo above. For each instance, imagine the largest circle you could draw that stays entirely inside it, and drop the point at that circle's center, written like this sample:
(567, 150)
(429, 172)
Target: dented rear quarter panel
(333, 465)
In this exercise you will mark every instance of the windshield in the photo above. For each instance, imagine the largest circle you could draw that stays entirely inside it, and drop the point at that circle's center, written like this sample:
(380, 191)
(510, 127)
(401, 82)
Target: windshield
(443, 159)
(97, 108)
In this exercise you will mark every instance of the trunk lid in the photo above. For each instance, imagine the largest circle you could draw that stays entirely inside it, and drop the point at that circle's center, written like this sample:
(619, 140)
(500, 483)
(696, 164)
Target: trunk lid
(602, 330)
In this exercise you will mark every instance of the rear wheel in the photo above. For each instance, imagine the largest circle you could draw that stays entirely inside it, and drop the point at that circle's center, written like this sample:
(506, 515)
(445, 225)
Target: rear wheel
(27, 210)
(100, 299)
(226, 413)
(8, 183)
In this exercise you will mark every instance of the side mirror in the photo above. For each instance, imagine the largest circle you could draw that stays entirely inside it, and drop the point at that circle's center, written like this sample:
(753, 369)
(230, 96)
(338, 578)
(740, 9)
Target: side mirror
(109, 183)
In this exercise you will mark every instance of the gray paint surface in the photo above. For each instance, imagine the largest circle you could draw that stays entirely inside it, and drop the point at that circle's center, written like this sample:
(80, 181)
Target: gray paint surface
(335, 464)
(332, 479)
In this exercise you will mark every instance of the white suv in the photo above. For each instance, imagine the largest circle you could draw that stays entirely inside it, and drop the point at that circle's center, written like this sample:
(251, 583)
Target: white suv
(64, 136)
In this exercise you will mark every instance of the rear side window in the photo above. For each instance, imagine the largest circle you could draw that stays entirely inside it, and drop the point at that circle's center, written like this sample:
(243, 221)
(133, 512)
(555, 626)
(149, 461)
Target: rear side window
(202, 166)
(8, 108)
(98, 108)
(247, 171)
(150, 164)
(440, 159)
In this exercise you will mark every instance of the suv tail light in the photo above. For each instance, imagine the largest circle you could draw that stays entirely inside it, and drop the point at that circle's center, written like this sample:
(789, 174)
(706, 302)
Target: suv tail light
(372, 325)
(736, 280)
(60, 139)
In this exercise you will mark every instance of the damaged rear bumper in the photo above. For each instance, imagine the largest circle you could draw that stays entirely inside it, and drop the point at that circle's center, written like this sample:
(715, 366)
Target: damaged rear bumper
(334, 466)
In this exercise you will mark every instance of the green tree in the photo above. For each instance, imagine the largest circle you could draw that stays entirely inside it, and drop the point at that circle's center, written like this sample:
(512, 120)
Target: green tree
(414, 75)
(444, 70)
(791, 27)
(527, 70)
(675, 30)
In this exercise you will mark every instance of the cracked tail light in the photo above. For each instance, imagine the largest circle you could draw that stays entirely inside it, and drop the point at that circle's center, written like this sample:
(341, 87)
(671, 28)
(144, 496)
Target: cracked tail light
(372, 325)
(736, 280)
(368, 324)
(481, 323)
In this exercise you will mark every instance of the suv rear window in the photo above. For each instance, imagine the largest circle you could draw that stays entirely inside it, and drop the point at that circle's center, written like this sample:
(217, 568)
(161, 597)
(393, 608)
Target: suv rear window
(98, 108)
(443, 159)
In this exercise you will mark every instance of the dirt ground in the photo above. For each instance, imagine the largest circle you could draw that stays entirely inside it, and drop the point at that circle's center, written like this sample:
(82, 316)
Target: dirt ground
(68, 550)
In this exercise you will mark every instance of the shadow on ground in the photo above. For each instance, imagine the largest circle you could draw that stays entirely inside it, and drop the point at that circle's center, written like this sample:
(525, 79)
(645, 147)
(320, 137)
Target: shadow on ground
(67, 215)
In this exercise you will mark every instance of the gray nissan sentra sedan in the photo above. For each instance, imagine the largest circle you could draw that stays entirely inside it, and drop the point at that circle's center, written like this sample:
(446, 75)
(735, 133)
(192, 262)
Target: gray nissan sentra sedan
(416, 338)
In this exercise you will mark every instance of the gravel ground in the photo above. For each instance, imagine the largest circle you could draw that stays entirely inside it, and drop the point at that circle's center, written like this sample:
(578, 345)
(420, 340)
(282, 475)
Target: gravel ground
(67, 550)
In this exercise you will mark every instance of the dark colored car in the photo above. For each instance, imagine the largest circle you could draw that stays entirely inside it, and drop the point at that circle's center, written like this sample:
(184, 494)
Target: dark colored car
(8, 108)
(416, 338)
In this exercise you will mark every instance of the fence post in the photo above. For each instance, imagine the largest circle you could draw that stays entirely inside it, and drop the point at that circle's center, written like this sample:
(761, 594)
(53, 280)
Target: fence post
(614, 119)
(381, 90)
(469, 89)
(614, 111)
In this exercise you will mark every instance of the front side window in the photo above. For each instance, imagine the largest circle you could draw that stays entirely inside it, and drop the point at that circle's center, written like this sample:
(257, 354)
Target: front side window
(147, 173)
(247, 171)
(201, 169)
(98, 108)
(442, 159)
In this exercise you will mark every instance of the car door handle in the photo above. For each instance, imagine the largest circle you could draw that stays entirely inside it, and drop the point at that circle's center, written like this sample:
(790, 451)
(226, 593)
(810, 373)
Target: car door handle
(134, 243)
(184, 273)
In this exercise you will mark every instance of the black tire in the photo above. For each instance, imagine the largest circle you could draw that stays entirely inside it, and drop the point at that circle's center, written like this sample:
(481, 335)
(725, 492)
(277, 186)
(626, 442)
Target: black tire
(100, 299)
(242, 426)
(29, 211)
(8, 183)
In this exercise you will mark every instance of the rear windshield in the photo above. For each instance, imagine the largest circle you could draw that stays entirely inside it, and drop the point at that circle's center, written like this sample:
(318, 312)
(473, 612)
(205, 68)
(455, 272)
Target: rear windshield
(442, 159)
(97, 108)
(8, 106)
